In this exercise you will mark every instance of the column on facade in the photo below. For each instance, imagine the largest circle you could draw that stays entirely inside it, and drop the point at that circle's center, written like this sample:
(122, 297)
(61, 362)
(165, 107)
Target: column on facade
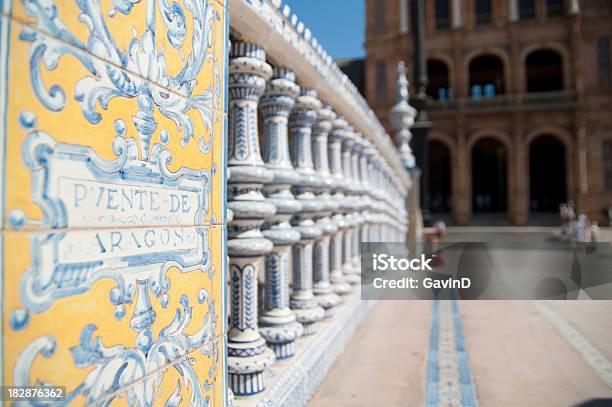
(277, 322)
(338, 186)
(248, 355)
(521, 193)
(457, 18)
(323, 289)
(573, 7)
(303, 302)
(459, 85)
(404, 16)
(462, 207)
(513, 10)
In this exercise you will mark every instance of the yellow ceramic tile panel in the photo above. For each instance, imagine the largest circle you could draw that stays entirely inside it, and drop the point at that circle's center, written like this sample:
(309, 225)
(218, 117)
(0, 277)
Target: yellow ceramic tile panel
(178, 45)
(180, 137)
(145, 318)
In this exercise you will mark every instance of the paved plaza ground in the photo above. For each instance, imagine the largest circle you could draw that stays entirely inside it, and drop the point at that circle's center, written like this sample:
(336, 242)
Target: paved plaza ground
(510, 353)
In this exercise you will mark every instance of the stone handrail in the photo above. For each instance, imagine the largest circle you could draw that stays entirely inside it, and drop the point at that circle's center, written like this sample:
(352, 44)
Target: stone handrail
(289, 42)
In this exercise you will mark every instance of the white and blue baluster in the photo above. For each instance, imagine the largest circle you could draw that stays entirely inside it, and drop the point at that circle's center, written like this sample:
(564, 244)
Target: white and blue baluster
(334, 150)
(323, 289)
(303, 303)
(349, 205)
(358, 220)
(277, 323)
(248, 355)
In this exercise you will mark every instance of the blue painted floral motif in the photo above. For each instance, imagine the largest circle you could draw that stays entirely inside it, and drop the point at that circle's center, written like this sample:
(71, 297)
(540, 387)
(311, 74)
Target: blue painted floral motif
(243, 278)
(173, 97)
(118, 366)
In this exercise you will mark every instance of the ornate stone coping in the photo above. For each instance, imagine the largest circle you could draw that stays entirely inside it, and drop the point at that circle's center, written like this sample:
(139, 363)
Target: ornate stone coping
(289, 43)
(292, 382)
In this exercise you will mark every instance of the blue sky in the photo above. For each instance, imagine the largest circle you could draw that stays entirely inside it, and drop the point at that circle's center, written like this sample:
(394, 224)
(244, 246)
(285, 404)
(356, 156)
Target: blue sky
(339, 25)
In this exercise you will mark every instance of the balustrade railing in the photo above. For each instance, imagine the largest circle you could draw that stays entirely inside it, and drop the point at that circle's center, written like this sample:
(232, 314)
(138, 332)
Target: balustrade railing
(538, 100)
(322, 178)
(558, 98)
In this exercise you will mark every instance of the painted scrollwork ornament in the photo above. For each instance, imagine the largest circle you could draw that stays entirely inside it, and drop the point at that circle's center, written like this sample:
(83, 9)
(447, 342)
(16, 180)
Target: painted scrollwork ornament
(62, 266)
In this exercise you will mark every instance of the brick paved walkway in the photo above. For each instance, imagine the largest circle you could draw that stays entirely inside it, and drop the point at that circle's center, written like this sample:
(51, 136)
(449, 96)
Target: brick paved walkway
(517, 356)
(517, 353)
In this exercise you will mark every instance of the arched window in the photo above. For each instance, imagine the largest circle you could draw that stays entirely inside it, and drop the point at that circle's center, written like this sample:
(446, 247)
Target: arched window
(442, 14)
(527, 9)
(489, 176)
(486, 76)
(547, 184)
(544, 71)
(438, 87)
(439, 176)
(603, 63)
(554, 8)
(607, 160)
(483, 12)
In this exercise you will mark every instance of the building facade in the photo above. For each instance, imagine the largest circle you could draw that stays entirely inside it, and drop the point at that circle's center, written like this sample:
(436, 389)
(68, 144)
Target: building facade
(521, 102)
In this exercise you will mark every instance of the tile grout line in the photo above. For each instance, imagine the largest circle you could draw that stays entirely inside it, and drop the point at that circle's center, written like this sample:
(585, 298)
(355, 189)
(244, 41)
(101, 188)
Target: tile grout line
(47, 230)
(591, 355)
(448, 373)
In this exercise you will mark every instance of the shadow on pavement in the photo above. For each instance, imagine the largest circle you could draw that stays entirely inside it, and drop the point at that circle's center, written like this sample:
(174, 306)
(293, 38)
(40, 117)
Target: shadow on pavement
(595, 403)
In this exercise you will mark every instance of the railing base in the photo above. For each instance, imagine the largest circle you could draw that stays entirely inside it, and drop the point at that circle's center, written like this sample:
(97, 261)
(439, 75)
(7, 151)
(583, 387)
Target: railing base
(292, 382)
